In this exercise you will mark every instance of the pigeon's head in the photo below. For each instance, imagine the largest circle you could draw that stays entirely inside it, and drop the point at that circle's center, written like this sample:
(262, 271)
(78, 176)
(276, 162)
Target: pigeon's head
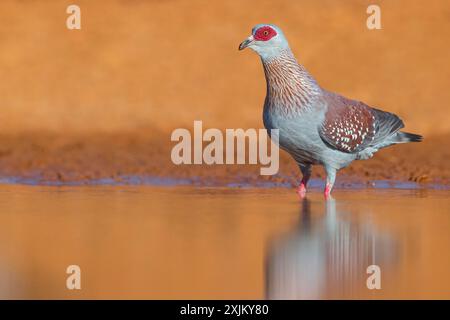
(267, 40)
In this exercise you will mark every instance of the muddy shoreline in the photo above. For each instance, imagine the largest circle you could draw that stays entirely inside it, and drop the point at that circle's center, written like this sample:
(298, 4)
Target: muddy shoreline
(50, 158)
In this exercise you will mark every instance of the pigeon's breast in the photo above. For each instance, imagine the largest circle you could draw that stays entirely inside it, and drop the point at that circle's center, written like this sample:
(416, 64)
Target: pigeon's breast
(298, 133)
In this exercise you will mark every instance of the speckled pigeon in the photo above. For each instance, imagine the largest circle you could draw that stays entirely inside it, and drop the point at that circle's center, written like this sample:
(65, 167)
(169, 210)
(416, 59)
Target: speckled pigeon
(317, 126)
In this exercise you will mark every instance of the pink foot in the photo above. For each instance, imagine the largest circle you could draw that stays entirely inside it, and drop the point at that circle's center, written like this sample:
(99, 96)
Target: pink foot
(301, 190)
(327, 192)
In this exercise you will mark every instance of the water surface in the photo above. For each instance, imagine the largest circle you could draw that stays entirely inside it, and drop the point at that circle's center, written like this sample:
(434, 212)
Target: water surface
(189, 243)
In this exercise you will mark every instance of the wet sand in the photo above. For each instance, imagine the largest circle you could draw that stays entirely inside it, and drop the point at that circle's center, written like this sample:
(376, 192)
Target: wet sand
(189, 243)
(136, 158)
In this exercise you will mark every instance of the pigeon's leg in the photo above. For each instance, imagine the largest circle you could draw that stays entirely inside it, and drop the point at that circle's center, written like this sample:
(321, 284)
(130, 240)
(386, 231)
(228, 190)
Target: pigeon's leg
(306, 171)
(331, 177)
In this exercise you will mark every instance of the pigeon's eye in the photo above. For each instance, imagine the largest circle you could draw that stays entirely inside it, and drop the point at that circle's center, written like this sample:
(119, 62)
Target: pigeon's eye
(265, 33)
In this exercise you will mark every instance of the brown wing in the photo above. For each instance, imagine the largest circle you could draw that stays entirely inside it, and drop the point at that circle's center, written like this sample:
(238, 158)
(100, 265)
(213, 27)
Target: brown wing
(352, 126)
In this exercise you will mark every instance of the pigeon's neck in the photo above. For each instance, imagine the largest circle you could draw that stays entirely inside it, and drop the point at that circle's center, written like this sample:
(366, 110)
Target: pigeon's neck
(290, 87)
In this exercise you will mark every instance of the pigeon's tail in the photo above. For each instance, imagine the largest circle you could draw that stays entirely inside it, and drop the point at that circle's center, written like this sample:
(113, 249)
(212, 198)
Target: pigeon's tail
(399, 137)
(404, 137)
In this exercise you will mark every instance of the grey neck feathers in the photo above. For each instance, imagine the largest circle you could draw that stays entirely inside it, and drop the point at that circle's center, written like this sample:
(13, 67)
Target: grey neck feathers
(290, 88)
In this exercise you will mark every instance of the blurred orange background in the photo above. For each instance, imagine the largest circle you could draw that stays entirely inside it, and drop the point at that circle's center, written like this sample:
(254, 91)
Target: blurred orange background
(160, 65)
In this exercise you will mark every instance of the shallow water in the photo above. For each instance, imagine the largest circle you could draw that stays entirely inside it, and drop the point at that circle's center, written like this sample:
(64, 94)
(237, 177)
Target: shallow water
(186, 242)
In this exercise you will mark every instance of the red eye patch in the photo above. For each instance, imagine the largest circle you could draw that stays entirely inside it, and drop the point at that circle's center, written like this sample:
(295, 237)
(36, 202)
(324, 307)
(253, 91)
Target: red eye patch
(264, 33)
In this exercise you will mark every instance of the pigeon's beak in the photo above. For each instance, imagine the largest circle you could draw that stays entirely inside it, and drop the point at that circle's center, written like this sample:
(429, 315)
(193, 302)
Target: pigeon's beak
(244, 44)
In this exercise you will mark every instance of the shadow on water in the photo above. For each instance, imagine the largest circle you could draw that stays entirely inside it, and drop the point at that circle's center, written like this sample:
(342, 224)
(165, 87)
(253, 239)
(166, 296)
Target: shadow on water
(327, 256)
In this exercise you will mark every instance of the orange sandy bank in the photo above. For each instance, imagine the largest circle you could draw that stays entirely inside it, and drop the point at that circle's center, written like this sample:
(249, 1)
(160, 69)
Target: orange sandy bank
(83, 158)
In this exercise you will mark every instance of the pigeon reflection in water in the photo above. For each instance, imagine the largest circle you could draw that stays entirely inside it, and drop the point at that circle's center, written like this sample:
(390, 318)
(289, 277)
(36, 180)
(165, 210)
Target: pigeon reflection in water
(327, 256)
